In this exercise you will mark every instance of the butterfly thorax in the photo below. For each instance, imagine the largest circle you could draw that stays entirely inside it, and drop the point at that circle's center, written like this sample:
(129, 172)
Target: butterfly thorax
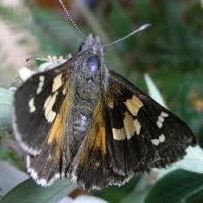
(89, 69)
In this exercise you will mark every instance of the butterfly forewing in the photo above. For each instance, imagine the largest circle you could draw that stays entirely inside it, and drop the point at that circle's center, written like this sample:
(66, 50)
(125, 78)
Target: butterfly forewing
(36, 103)
(145, 134)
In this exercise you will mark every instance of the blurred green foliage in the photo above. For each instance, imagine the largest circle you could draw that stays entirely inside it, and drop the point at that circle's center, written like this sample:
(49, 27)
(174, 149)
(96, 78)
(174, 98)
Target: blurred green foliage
(171, 50)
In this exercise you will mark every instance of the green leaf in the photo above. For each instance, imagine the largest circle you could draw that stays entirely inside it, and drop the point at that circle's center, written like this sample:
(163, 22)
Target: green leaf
(29, 191)
(154, 91)
(116, 194)
(139, 193)
(177, 186)
(6, 100)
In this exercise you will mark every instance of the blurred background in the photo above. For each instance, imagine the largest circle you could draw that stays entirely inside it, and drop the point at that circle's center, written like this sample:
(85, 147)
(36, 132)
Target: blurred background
(171, 50)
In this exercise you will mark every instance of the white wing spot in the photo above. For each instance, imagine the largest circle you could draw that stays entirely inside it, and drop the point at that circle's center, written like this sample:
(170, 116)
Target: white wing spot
(137, 126)
(41, 83)
(48, 105)
(118, 134)
(129, 126)
(57, 83)
(155, 142)
(164, 114)
(31, 104)
(158, 141)
(64, 91)
(161, 119)
(133, 105)
(159, 124)
(162, 138)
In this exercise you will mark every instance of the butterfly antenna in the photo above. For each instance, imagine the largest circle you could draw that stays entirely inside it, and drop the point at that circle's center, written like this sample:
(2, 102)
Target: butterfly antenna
(143, 27)
(70, 18)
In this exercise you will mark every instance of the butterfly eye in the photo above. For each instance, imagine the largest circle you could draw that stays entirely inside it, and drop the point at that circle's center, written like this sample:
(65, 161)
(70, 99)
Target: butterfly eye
(81, 46)
(93, 63)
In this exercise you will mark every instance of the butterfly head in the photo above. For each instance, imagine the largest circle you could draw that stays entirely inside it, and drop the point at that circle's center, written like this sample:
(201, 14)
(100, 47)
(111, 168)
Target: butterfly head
(93, 45)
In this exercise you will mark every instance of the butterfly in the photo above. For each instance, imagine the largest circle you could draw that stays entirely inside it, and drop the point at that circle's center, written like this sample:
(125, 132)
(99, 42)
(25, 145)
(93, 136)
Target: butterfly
(85, 122)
